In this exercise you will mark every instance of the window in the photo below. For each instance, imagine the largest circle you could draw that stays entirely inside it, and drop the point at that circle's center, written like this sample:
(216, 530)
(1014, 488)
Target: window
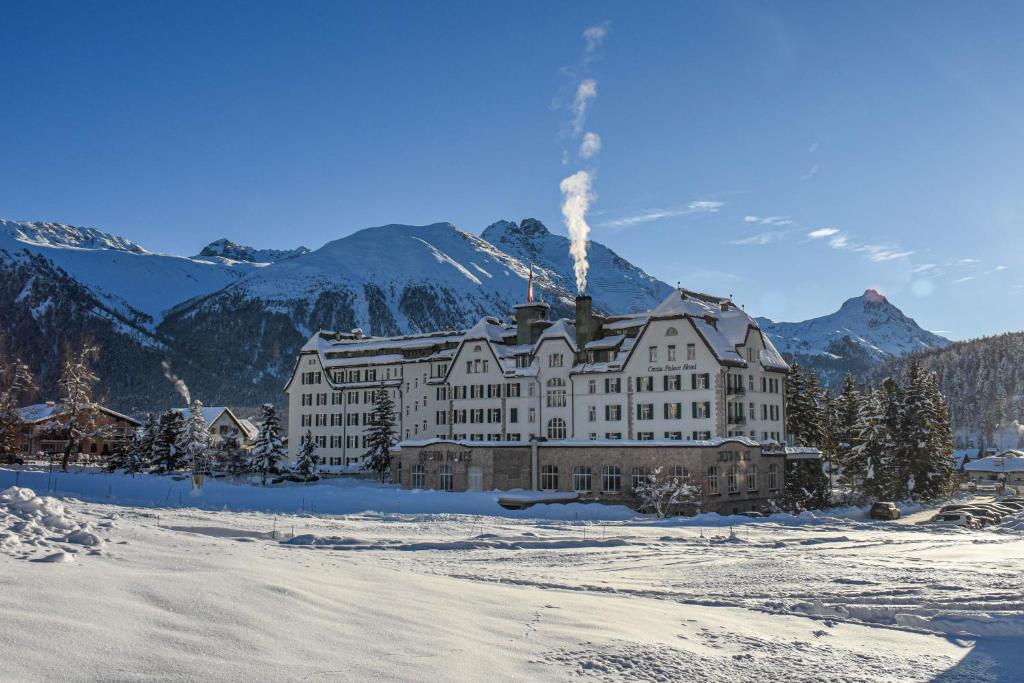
(701, 409)
(306, 420)
(493, 391)
(555, 360)
(652, 354)
(592, 386)
(613, 413)
(493, 415)
(592, 414)
(645, 436)
(611, 479)
(773, 477)
(476, 391)
(419, 477)
(513, 389)
(671, 351)
(549, 477)
(751, 477)
(672, 382)
(679, 474)
(513, 414)
(701, 380)
(691, 352)
(673, 411)
(645, 411)
(613, 436)
(639, 476)
(445, 478)
(645, 383)
(712, 481)
(581, 478)
(731, 479)
(612, 386)
(531, 414)
(674, 436)
(522, 360)
(701, 436)
(555, 396)
(442, 417)
(671, 332)
(556, 428)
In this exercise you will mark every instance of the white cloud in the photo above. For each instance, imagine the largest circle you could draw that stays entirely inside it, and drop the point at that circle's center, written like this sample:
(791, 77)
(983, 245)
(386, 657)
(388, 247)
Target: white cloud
(1000, 267)
(762, 238)
(770, 220)
(695, 207)
(705, 206)
(590, 146)
(963, 279)
(924, 267)
(813, 171)
(839, 242)
(822, 232)
(750, 219)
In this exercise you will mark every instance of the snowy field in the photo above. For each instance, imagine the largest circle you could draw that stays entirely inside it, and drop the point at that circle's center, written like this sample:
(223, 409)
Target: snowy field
(115, 579)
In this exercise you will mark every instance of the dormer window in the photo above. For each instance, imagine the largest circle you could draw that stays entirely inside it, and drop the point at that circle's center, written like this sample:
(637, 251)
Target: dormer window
(555, 360)
(671, 332)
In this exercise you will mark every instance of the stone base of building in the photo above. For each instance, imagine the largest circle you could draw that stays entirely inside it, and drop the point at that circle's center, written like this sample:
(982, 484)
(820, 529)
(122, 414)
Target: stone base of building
(734, 475)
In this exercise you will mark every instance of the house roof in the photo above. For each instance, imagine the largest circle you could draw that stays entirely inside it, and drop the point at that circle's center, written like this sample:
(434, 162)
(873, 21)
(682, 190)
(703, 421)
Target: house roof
(41, 412)
(1007, 461)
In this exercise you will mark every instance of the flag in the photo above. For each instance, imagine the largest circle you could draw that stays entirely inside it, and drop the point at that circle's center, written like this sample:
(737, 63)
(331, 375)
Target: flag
(529, 287)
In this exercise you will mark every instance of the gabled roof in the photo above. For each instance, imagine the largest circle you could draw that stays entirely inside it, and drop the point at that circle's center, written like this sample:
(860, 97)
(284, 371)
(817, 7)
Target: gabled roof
(41, 412)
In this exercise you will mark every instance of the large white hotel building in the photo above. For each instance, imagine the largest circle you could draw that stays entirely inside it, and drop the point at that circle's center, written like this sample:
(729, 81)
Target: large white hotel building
(697, 367)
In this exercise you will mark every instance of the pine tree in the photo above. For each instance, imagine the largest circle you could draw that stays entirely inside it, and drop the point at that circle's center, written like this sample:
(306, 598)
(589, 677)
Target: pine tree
(943, 478)
(381, 435)
(165, 451)
(16, 383)
(870, 458)
(308, 462)
(145, 443)
(78, 412)
(829, 444)
(193, 443)
(848, 431)
(915, 436)
(268, 451)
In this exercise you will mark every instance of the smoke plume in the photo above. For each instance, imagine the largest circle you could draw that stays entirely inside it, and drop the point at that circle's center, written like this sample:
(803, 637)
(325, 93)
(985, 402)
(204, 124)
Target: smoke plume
(576, 198)
(179, 384)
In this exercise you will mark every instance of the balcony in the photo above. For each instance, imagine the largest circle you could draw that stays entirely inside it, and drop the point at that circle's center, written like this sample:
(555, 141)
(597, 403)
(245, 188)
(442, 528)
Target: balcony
(737, 420)
(736, 391)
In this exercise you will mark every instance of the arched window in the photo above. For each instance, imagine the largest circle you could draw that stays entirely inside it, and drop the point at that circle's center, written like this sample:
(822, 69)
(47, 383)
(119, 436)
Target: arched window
(671, 332)
(751, 477)
(582, 478)
(549, 477)
(611, 479)
(556, 428)
(731, 479)
(555, 397)
(713, 480)
(445, 478)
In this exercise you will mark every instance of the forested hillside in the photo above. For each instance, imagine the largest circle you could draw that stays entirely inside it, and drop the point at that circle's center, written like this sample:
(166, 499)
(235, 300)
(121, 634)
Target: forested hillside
(983, 380)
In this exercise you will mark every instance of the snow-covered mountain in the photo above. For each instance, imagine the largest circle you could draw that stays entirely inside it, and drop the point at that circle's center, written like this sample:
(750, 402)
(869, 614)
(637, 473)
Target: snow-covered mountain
(118, 271)
(615, 284)
(231, 319)
(868, 321)
(865, 331)
(225, 248)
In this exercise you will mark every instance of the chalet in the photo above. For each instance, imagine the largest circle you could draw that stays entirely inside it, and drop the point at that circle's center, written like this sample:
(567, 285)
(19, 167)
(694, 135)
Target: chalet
(43, 430)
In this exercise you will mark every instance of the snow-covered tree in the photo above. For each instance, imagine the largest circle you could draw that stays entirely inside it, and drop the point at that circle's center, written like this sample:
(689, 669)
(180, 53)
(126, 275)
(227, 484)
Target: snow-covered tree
(268, 451)
(193, 443)
(16, 383)
(76, 416)
(663, 493)
(165, 450)
(308, 461)
(381, 435)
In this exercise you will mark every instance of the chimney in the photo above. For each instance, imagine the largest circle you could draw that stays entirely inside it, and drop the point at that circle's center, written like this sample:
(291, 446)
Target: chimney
(586, 326)
(527, 314)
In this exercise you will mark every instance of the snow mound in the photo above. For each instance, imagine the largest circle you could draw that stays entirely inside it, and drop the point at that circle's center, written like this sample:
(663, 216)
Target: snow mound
(31, 524)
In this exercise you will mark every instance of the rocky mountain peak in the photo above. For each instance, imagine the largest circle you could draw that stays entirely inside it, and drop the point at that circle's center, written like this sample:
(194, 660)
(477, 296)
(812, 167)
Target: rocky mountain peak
(225, 248)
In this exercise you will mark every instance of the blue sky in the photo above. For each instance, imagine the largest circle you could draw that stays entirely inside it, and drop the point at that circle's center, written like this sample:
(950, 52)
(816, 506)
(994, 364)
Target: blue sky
(791, 154)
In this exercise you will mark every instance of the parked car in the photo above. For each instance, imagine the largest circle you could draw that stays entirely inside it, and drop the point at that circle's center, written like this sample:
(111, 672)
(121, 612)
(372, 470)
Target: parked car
(1013, 505)
(885, 510)
(964, 519)
(984, 515)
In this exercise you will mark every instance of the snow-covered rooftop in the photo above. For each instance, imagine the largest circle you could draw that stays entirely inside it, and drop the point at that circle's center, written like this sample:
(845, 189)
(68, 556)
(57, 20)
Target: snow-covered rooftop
(1007, 461)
